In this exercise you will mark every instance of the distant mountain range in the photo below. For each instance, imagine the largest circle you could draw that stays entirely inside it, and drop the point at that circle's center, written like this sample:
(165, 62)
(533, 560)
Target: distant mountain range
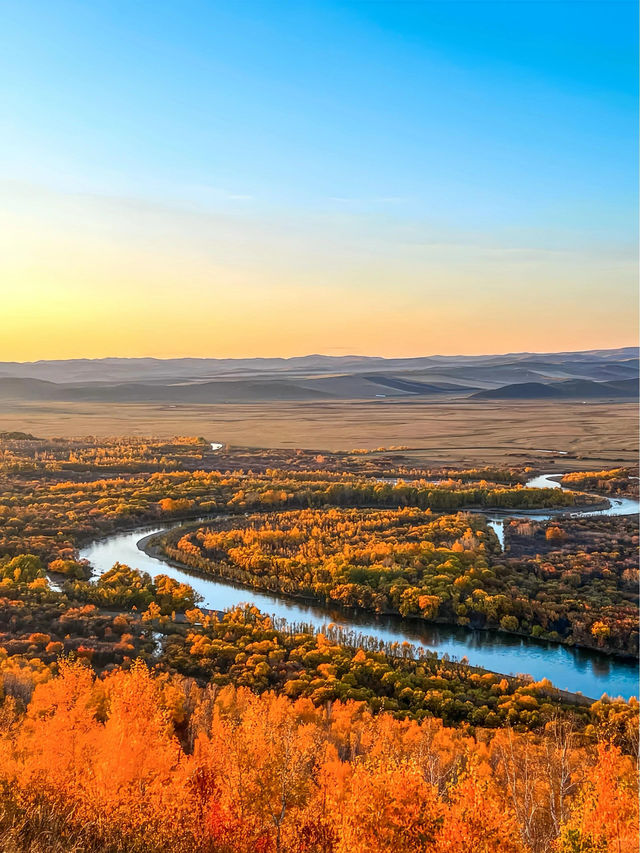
(593, 374)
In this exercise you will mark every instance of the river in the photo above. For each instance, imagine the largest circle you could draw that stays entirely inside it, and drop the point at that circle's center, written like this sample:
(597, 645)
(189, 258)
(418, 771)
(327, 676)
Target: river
(577, 670)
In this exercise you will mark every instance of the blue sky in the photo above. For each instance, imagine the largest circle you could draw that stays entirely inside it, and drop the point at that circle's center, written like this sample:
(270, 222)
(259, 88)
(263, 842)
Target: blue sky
(434, 138)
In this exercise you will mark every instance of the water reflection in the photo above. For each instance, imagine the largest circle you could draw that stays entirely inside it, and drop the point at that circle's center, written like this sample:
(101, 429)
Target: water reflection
(577, 670)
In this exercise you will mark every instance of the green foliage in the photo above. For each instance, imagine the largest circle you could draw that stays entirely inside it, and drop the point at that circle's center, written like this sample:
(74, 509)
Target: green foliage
(22, 569)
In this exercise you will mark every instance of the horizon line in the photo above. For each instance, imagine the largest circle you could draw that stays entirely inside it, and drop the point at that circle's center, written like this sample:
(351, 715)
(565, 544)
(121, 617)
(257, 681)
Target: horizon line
(324, 355)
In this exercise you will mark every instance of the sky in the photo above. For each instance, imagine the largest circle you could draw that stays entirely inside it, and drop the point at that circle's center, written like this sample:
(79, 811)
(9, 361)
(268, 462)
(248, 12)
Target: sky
(281, 177)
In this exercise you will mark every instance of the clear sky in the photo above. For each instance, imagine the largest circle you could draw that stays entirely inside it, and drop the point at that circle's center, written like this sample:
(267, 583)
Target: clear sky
(269, 177)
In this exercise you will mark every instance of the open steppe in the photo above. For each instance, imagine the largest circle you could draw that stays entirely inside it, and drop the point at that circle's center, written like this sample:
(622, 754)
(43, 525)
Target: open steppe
(474, 410)
(456, 432)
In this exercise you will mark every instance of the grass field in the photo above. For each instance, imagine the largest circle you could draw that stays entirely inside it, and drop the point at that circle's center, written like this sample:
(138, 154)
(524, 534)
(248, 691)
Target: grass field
(454, 432)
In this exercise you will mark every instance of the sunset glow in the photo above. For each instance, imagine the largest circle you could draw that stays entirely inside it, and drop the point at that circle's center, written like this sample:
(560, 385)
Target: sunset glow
(424, 182)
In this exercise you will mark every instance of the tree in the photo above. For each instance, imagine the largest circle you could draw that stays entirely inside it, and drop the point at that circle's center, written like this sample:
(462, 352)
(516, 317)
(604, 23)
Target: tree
(605, 816)
(477, 821)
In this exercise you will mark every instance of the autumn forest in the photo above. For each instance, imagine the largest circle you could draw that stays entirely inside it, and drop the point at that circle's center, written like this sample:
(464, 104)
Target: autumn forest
(133, 718)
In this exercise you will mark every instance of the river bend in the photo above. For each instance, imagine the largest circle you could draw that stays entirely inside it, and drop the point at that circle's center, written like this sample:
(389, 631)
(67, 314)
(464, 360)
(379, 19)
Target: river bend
(578, 670)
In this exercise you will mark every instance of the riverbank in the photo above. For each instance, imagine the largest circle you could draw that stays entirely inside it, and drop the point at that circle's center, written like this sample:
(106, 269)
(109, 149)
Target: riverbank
(582, 668)
(148, 546)
(575, 670)
(153, 549)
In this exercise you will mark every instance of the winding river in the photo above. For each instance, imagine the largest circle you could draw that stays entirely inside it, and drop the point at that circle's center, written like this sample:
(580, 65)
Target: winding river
(577, 670)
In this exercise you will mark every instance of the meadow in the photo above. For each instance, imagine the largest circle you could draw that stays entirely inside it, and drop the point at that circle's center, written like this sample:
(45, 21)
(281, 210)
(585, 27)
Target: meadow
(595, 434)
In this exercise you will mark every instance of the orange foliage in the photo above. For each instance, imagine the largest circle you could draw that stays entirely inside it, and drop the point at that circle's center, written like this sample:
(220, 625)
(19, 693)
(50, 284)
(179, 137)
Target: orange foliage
(139, 761)
(606, 813)
(478, 821)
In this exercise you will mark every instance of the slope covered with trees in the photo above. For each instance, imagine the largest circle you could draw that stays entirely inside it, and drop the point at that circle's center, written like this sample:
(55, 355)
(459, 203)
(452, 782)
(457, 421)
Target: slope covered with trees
(137, 762)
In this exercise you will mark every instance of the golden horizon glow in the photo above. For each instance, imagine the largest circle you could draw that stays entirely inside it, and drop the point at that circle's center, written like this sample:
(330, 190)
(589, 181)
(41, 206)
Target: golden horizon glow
(87, 276)
(252, 179)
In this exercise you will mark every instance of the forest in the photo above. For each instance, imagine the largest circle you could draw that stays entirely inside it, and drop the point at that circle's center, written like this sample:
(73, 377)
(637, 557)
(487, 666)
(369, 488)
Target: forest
(142, 762)
(443, 568)
(132, 719)
(615, 481)
(52, 500)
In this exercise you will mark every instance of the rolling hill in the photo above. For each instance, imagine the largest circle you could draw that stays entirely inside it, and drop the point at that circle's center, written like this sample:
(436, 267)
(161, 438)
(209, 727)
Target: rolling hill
(596, 374)
(570, 389)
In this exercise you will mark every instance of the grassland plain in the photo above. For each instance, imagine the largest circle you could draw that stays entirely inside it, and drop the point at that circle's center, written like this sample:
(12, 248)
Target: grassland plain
(453, 432)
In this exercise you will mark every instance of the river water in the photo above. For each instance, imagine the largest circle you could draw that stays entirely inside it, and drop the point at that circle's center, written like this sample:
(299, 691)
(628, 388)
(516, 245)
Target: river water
(577, 670)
